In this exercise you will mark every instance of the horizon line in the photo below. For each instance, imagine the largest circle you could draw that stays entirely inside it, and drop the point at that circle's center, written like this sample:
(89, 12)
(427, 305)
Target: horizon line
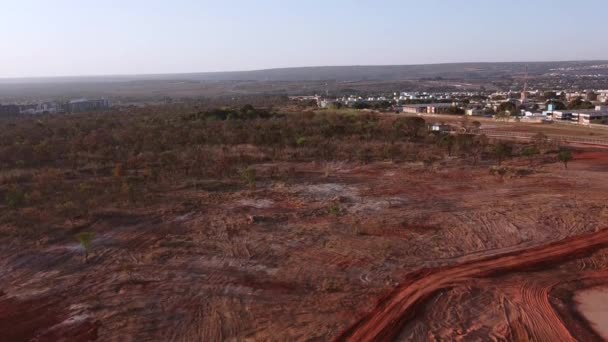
(48, 77)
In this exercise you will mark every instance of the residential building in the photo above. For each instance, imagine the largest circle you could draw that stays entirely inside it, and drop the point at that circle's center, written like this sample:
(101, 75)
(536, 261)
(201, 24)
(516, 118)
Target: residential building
(9, 110)
(588, 118)
(414, 109)
(427, 108)
(599, 115)
(84, 105)
(474, 112)
(533, 116)
(562, 115)
(440, 128)
(43, 108)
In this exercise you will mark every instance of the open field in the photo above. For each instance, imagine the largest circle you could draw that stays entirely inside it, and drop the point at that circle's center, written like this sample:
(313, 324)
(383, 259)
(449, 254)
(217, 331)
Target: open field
(558, 129)
(291, 227)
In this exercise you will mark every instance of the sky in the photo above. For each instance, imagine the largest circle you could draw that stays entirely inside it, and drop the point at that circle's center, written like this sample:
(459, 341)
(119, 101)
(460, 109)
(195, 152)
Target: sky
(112, 37)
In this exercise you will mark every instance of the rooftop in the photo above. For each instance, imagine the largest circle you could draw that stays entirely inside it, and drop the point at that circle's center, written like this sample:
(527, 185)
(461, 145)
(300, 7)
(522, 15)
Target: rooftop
(422, 105)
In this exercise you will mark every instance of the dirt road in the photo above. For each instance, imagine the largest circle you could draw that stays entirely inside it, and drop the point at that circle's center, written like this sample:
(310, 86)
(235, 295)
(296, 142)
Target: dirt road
(387, 320)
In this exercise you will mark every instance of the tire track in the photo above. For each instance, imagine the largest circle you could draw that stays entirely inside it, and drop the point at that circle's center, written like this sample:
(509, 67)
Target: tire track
(386, 321)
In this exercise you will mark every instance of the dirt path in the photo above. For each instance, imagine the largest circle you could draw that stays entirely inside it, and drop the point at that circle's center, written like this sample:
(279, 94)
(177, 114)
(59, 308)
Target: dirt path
(387, 320)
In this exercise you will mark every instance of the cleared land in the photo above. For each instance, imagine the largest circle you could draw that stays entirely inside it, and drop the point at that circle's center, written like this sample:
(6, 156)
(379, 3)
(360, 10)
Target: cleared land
(189, 245)
(593, 305)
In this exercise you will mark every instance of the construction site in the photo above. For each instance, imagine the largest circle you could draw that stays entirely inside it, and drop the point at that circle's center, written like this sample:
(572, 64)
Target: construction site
(383, 232)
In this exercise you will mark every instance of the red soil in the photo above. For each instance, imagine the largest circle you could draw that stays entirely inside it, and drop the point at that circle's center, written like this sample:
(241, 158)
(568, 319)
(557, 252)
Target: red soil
(40, 320)
(387, 320)
(196, 267)
(596, 156)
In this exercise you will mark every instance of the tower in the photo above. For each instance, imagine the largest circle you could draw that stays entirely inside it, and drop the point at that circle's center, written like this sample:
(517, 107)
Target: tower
(524, 95)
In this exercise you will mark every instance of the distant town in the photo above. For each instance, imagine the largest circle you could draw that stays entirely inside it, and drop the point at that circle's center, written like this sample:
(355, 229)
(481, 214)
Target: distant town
(54, 107)
(581, 107)
(587, 107)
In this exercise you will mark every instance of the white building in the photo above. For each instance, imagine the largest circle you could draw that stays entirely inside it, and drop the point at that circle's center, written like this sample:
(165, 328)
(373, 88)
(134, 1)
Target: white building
(599, 115)
(428, 108)
(84, 105)
(474, 112)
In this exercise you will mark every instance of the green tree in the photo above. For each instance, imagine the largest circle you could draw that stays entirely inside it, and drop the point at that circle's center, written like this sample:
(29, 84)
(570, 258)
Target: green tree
(414, 125)
(558, 105)
(549, 95)
(448, 142)
(454, 110)
(579, 103)
(540, 141)
(464, 143)
(411, 125)
(507, 107)
(382, 105)
(479, 145)
(530, 152)
(502, 150)
(476, 125)
(361, 105)
(503, 115)
(565, 156)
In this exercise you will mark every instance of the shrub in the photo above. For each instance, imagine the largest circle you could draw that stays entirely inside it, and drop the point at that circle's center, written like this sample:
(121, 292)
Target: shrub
(565, 156)
(15, 198)
(502, 150)
(248, 176)
(118, 171)
(530, 152)
(334, 209)
(365, 155)
(86, 240)
(300, 141)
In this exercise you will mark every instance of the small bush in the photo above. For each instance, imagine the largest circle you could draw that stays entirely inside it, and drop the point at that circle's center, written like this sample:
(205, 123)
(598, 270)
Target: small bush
(15, 198)
(86, 240)
(334, 209)
(249, 176)
(565, 156)
(118, 171)
(300, 141)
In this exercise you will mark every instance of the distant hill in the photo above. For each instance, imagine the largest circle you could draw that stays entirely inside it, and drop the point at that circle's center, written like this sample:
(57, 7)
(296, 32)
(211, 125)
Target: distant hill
(404, 72)
(461, 71)
(338, 80)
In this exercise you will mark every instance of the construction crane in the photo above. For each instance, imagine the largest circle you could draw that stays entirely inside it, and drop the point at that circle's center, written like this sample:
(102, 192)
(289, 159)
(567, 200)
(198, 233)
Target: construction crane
(524, 94)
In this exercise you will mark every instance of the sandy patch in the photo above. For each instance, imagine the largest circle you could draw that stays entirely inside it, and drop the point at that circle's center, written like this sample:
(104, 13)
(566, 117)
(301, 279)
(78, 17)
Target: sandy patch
(593, 305)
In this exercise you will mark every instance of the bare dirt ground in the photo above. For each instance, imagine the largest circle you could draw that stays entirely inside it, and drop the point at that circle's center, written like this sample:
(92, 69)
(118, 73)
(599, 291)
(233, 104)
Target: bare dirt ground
(593, 305)
(316, 255)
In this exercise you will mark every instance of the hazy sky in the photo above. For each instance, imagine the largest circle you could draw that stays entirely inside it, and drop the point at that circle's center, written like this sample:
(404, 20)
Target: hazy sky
(95, 37)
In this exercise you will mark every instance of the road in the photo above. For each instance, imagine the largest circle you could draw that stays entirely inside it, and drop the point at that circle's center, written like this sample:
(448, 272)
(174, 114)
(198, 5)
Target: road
(387, 320)
(565, 139)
